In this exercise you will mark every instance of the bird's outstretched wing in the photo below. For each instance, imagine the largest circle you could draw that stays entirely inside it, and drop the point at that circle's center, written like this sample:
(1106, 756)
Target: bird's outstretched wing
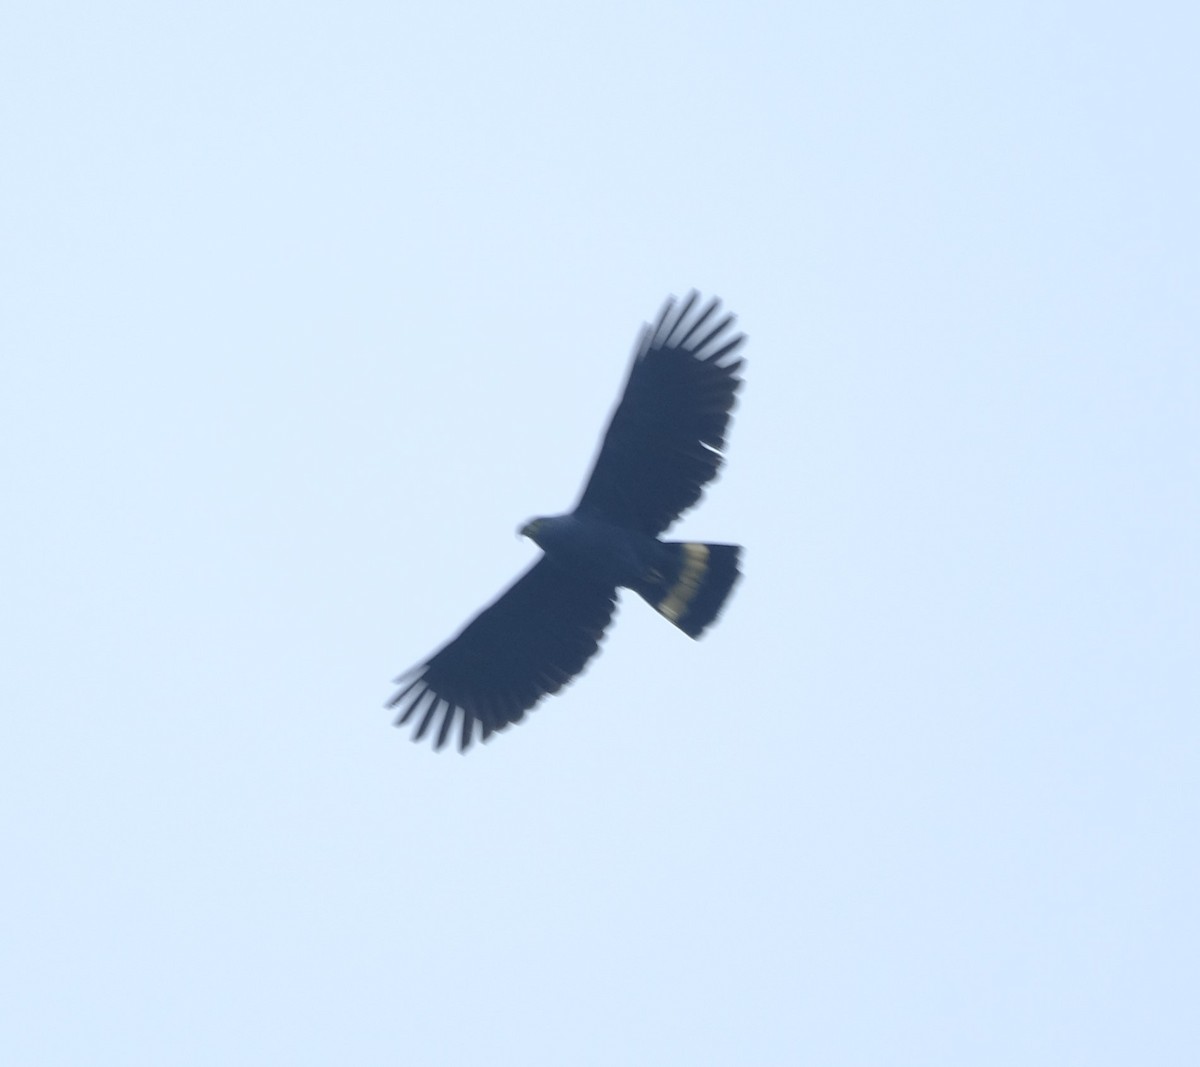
(664, 442)
(533, 640)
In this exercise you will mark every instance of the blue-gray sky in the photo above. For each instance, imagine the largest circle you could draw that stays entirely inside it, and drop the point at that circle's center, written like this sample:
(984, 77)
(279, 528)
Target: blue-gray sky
(305, 308)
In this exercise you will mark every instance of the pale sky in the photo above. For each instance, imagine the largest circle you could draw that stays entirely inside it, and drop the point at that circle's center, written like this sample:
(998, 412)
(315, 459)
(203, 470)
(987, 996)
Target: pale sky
(305, 308)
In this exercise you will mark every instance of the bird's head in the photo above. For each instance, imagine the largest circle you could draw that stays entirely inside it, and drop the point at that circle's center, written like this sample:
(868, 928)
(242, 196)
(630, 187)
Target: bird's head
(532, 530)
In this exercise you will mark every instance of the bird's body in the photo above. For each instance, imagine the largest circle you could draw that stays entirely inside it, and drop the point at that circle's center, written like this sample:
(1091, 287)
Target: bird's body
(612, 555)
(662, 446)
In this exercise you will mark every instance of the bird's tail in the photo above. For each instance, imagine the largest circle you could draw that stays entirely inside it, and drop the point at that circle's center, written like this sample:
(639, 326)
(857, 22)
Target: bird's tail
(692, 587)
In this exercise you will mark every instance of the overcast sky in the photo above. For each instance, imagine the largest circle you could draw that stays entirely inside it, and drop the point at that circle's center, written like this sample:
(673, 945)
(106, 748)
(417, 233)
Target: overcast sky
(305, 308)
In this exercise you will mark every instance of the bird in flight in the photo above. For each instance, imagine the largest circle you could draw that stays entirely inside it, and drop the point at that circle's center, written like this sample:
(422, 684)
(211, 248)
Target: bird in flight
(663, 445)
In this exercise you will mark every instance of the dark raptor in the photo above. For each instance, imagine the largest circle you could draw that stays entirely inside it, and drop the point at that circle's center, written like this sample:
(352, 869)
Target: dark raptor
(663, 445)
